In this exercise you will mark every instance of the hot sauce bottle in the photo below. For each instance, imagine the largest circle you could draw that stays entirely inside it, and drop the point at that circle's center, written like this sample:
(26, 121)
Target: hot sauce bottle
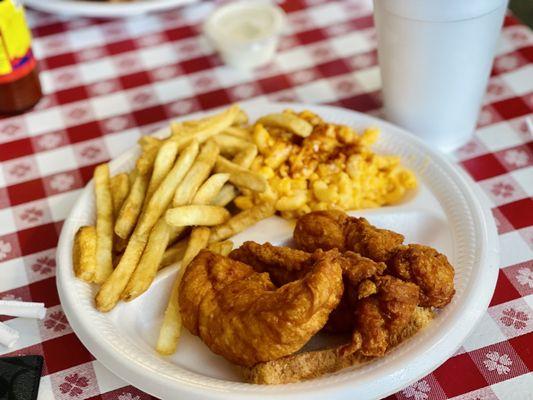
(20, 88)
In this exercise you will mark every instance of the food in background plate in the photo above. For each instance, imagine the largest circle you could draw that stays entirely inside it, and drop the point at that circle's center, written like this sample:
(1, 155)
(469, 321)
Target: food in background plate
(227, 301)
(311, 164)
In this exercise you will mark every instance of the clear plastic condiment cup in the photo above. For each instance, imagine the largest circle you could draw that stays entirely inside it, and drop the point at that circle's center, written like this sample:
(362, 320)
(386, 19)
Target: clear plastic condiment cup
(245, 33)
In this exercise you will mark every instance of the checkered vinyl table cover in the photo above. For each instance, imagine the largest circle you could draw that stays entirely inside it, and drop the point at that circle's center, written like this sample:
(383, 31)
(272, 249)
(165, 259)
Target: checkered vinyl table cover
(109, 81)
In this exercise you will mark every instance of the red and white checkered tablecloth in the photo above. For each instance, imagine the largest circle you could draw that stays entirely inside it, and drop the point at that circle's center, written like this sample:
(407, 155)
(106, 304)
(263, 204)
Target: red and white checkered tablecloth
(110, 81)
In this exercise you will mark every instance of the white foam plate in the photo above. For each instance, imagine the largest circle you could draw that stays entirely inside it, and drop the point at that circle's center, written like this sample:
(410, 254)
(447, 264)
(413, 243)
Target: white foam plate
(444, 213)
(104, 9)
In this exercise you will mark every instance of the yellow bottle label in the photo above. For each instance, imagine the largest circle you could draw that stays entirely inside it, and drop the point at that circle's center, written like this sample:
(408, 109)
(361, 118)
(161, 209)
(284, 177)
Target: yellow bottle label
(16, 59)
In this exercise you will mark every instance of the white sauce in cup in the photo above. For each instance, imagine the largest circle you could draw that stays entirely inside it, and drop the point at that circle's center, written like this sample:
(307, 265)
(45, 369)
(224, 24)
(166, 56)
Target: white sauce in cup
(245, 33)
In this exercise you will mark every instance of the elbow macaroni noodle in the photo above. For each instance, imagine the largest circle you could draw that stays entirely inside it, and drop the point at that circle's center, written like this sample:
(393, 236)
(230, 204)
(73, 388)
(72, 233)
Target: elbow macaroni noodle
(333, 168)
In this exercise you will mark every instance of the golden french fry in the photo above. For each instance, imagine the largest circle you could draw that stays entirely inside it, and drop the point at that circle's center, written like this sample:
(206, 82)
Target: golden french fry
(223, 248)
(132, 176)
(207, 128)
(240, 176)
(84, 253)
(246, 156)
(241, 221)
(230, 145)
(196, 215)
(262, 139)
(109, 293)
(210, 189)
(151, 214)
(162, 197)
(198, 173)
(104, 224)
(289, 122)
(194, 123)
(174, 254)
(198, 240)
(144, 274)
(241, 118)
(239, 132)
(170, 329)
(162, 165)
(149, 141)
(146, 161)
(176, 232)
(225, 196)
(120, 187)
(129, 213)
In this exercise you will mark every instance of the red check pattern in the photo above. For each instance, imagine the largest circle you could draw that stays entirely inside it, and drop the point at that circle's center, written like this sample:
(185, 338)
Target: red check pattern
(110, 81)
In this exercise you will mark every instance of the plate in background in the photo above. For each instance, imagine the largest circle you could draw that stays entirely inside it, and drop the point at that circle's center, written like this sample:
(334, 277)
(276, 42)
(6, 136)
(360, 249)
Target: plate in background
(104, 9)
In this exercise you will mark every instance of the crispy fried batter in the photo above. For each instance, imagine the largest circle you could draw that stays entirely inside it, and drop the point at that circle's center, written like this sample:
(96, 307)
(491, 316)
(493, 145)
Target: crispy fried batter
(309, 365)
(369, 241)
(356, 270)
(242, 316)
(321, 230)
(429, 269)
(416, 263)
(335, 229)
(284, 265)
(384, 314)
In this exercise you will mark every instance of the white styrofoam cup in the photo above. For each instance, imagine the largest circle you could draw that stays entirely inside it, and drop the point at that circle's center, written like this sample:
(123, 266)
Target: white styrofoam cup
(435, 58)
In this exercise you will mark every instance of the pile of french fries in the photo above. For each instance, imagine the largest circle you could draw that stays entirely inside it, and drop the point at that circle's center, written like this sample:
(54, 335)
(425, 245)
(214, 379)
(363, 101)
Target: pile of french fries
(167, 209)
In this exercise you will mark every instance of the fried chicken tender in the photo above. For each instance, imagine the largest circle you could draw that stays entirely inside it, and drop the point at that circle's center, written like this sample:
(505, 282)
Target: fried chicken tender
(335, 229)
(312, 364)
(429, 269)
(284, 265)
(385, 314)
(241, 315)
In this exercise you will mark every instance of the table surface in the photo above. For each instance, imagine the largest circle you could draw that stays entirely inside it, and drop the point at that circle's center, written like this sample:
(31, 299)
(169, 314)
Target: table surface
(110, 81)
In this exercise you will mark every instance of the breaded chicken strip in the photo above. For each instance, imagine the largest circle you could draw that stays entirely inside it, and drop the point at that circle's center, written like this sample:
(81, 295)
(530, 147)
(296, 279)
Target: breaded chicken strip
(241, 315)
(284, 265)
(429, 269)
(335, 229)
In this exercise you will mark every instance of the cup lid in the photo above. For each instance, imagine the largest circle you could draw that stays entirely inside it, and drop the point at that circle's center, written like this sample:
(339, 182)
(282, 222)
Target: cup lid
(439, 10)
